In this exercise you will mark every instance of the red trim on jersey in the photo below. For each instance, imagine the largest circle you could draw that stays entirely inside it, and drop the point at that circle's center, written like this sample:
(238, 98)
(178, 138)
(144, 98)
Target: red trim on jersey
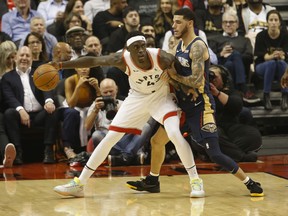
(170, 114)
(125, 130)
(159, 59)
(182, 119)
(124, 60)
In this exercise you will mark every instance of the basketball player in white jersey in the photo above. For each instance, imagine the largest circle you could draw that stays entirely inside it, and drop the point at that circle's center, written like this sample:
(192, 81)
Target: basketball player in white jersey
(149, 96)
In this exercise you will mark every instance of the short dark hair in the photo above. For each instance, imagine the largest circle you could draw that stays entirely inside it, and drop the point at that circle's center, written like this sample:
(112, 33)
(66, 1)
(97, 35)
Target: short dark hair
(186, 13)
(127, 10)
(145, 23)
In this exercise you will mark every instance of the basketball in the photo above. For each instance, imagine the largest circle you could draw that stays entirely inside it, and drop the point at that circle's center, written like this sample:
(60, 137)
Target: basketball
(46, 77)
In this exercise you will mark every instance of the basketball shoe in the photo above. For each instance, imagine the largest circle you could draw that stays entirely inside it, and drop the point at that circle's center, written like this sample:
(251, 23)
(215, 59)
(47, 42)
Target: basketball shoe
(73, 188)
(197, 189)
(9, 155)
(254, 188)
(144, 185)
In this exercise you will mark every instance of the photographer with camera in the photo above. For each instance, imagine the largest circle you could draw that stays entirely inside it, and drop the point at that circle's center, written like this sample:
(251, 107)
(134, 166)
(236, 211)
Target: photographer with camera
(100, 115)
(237, 140)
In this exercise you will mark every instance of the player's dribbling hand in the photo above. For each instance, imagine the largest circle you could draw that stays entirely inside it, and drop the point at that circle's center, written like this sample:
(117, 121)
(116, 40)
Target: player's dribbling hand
(55, 64)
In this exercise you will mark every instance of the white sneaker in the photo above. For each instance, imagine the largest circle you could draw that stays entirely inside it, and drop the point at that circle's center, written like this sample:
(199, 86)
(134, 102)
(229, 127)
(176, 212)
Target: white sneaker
(197, 189)
(9, 155)
(73, 188)
(69, 153)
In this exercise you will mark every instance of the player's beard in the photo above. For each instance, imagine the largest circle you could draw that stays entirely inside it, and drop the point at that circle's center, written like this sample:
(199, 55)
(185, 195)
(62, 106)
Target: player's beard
(183, 32)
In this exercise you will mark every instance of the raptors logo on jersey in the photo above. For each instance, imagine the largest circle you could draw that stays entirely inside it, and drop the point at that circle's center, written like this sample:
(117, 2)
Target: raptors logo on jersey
(145, 81)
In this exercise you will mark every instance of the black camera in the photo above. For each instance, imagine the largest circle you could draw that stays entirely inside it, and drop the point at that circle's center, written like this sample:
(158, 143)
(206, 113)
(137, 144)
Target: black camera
(212, 76)
(110, 105)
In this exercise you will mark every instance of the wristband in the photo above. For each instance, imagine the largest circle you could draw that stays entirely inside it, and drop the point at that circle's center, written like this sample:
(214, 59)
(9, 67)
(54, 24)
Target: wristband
(219, 92)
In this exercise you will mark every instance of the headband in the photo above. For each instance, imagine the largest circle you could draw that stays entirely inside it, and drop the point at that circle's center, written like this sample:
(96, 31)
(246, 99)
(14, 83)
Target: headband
(134, 39)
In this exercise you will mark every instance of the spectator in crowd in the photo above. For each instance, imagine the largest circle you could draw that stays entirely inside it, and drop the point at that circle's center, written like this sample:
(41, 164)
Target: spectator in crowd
(237, 140)
(8, 52)
(38, 25)
(253, 18)
(37, 46)
(147, 29)
(125, 151)
(16, 23)
(7, 150)
(163, 20)
(6, 6)
(131, 21)
(26, 110)
(63, 52)
(106, 22)
(59, 28)
(80, 92)
(92, 7)
(75, 37)
(50, 10)
(93, 47)
(210, 19)
(73, 16)
(271, 50)
(235, 53)
(76, 6)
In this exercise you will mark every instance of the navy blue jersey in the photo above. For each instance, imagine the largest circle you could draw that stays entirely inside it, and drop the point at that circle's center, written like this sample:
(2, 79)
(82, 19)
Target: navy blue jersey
(205, 97)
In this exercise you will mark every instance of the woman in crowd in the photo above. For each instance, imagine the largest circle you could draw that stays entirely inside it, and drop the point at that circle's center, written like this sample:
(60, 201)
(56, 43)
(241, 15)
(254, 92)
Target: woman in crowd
(37, 46)
(163, 20)
(8, 52)
(271, 48)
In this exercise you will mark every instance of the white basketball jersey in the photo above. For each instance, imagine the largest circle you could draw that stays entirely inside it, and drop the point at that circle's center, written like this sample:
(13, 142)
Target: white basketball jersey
(144, 81)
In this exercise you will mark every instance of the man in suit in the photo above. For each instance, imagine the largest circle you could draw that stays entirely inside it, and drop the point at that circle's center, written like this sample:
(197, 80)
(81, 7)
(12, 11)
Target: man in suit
(26, 106)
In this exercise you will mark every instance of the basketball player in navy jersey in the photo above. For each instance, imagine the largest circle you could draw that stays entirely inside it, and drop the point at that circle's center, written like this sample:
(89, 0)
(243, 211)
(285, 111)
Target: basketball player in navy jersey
(149, 96)
(192, 53)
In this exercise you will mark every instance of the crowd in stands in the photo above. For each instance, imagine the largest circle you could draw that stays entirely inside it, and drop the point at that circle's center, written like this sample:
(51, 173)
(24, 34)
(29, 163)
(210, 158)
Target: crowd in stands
(246, 39)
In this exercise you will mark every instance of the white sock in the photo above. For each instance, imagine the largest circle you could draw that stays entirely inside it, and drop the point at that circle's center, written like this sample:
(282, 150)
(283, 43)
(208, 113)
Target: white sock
(182, 146)
(246, 180)
(99, 154)
(192, 172)
(153, 174)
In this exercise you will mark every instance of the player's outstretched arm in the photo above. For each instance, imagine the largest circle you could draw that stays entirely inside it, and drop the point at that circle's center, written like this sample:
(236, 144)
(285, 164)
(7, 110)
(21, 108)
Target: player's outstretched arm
(92, 61)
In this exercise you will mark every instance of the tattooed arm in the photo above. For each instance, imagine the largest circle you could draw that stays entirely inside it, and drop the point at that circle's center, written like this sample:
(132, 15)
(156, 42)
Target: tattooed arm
(199, 54)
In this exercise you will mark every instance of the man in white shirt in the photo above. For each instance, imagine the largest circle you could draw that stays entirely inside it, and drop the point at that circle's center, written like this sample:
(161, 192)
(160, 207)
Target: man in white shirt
(27, 107)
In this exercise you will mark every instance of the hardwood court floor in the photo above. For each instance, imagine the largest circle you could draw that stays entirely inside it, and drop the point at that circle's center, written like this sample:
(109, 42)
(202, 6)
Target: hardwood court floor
(27, 191)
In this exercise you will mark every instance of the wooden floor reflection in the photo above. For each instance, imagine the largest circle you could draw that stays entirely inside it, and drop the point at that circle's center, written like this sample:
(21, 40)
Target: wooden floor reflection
(108, 196)
(27, 190)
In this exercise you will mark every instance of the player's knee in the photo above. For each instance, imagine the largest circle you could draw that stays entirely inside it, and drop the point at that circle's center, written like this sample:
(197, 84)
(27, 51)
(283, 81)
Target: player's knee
(157, 141)
(216, 158)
